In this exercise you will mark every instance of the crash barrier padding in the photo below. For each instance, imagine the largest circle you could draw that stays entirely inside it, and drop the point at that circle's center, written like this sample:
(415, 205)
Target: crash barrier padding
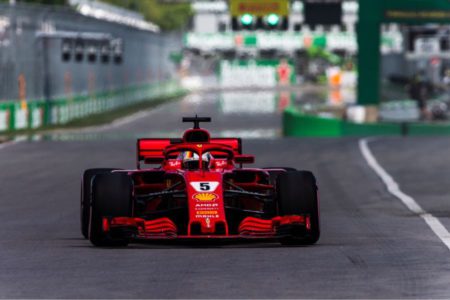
(298, 124)
(429, 129)
(15, 115)
(303, 125)
(354, 129)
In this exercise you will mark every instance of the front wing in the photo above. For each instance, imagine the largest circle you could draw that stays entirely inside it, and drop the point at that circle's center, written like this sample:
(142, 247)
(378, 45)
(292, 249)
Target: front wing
(249, 228)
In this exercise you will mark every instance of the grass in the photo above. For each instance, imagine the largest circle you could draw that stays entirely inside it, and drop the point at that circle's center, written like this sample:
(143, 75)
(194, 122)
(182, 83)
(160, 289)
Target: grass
(95, 119)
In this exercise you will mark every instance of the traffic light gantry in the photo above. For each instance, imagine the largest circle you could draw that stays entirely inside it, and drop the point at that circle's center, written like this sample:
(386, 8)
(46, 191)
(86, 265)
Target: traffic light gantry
(259, 14)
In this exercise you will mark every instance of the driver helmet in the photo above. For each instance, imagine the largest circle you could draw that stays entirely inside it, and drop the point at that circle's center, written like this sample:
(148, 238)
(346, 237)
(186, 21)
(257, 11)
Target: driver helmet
(190, 160)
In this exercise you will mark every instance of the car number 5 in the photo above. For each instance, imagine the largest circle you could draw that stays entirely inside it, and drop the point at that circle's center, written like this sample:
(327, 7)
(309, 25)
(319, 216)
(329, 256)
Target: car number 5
(204, 186)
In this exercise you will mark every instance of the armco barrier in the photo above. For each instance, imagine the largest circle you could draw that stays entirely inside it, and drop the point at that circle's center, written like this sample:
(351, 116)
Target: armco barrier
(298, 124)
(37, 113)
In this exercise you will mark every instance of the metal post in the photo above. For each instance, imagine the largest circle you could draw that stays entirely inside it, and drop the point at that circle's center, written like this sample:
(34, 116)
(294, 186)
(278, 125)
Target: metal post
(46, 77)
(369, 52)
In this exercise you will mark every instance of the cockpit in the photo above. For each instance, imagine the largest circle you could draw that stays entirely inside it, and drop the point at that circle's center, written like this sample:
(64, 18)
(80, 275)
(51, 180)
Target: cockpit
(195, 158)
(190, 160)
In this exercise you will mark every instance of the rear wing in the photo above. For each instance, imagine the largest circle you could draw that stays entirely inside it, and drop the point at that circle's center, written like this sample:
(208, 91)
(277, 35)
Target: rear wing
(154, 147)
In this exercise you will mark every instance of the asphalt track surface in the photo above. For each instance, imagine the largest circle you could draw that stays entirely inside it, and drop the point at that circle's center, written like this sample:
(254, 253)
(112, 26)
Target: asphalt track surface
(371, 245)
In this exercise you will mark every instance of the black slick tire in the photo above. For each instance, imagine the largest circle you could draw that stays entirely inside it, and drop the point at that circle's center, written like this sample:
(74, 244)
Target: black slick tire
(274, 172)
(297, 195)
(85, 196)
(273, 175)
(111, 197)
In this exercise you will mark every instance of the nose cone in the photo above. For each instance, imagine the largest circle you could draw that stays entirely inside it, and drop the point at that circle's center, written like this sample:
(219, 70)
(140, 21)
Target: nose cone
(206, 206)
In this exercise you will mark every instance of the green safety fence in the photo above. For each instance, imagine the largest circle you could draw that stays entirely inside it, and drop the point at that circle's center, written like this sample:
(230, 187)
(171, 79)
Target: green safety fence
(37, 113)
(296, 123)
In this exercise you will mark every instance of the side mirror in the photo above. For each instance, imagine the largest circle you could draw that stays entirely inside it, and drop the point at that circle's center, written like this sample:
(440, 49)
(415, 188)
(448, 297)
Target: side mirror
(154, 160)
(244, 159)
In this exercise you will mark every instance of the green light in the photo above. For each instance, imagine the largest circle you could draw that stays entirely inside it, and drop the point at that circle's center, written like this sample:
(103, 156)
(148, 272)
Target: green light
(273, 19)
(246, 19)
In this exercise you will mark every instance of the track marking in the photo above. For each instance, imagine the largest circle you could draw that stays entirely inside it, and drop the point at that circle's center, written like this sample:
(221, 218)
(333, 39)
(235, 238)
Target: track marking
(393, 188)
(119, 122)
(16, 141)
(131, 118)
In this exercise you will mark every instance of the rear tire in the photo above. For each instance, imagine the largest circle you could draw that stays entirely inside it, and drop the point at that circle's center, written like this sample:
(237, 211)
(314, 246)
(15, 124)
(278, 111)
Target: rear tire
(85, 203)
(297, 195)
(111, 197)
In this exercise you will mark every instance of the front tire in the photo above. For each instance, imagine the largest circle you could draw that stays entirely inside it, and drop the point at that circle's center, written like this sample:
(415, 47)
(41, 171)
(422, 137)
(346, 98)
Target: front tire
(85, 199)
(274, 172)
(111, 197)
(297, 195)
(273, 175)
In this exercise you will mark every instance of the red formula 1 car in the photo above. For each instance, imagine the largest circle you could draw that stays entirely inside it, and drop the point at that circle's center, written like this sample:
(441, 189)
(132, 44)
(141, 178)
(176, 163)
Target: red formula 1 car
(198, 191)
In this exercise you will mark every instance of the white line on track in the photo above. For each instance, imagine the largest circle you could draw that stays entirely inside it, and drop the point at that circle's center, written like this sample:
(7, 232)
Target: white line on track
(117, 123)
(125, 120)
(16, 141)
(393, 188)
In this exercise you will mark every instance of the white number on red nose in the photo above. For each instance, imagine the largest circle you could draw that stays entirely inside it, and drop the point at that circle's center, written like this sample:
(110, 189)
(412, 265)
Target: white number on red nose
(205, 186)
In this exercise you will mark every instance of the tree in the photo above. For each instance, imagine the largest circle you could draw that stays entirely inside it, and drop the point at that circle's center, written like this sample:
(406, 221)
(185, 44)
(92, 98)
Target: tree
(168, 16)
(46, 2)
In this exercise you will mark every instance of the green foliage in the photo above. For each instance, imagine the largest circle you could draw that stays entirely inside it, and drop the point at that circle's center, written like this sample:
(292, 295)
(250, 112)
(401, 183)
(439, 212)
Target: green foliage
(168, 16)
(128, 4)
(46, 2)
(319, 52)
